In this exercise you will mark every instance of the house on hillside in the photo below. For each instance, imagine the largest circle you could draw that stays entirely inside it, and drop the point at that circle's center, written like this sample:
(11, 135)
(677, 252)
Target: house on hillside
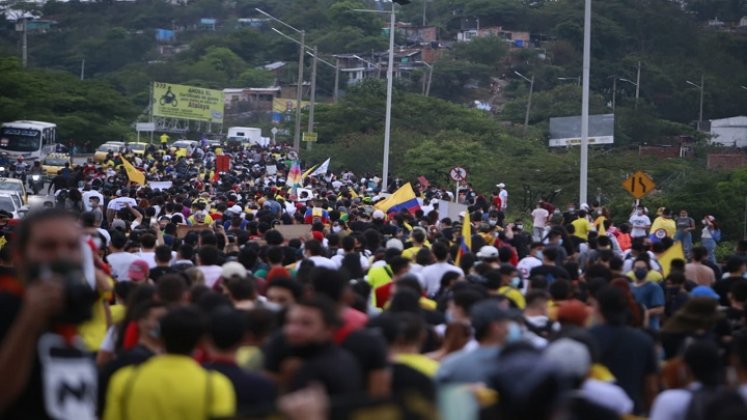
(250, 99)
(729, 131)
(417, 34)
(515, 39)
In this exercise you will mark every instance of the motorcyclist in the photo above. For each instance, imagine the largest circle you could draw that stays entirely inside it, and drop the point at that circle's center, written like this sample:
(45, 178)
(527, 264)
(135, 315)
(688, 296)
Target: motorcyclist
(37, 184)
(20, 168)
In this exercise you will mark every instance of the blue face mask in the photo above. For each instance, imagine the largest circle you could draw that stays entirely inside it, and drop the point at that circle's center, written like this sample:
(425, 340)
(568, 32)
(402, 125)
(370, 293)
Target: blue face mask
(539, 255)
(514, 333)
(516, 282)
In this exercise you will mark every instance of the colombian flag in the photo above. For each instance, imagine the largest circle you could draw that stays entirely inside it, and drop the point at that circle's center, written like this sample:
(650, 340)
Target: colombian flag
(132, 173)
(403, 198)
(465, 242)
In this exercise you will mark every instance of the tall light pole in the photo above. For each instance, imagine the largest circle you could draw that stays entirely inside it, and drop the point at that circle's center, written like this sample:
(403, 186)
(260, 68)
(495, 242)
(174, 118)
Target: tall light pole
(529, 100)
(637, 87)
(614, 93)
(584, 175)
(389, 84)
(576, 79)
(299, 87)
(701, 86)
(312, 98)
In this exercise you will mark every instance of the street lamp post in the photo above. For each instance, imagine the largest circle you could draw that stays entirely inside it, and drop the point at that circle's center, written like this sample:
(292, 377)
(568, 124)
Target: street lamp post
(637, 88)
(584, 164)
(577, 79)
(529, 100)
(701, 86)
(299, 87)
(312, 97)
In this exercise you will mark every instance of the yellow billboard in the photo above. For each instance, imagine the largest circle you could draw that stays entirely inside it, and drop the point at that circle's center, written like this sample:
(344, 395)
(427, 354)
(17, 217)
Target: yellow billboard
(187, 102)
(287, 105)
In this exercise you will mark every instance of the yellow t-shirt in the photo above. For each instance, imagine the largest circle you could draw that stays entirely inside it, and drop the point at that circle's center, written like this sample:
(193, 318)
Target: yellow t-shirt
(419, 362)
(668, 225)
(652, 275)
(582, 228)
(411, 252)
(515, 295)
(169, 387)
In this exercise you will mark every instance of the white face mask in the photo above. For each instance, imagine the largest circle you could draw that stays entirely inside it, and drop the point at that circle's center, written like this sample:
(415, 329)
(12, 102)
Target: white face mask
(336, 229)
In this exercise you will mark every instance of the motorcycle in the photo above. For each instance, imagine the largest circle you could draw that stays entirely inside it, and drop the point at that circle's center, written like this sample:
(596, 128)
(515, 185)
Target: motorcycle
(19, 172)
(36, 183)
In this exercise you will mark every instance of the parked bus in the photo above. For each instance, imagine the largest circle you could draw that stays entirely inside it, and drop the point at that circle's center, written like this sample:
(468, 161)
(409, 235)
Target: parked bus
(30, 139)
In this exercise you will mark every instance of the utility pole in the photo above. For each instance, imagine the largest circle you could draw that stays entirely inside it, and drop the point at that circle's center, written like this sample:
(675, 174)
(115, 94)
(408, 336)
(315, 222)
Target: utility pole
(584, 175)
(614, 92)
(430, 79)
(638, 86)
(337, 79)
(701, 86)
(83, 69)
(529, 100)
(388, 118)
(25, 45)
(299, 95)
(312, 97)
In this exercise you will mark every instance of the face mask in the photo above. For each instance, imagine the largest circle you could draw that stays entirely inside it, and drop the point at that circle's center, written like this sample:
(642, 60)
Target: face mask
(704, 221)
(514, 333)
(599, 212)
(640, 273)
(539, 255)
(336, 229)
(492, 222)
(520, 227)
(571, 208)
(516, 282)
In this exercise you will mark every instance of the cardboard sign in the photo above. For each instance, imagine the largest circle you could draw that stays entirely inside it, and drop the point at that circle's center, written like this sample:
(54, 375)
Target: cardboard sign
(293, 231)
(450, 209)
(183, 230)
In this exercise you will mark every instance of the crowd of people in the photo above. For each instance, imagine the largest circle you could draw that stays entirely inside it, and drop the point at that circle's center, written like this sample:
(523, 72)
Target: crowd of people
(205, 291)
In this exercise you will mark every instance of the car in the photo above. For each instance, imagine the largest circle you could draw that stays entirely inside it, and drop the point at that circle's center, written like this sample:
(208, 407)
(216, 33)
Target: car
(13, 185)
(103, 151)
(137, 148)
(7, 203)
(54, 162)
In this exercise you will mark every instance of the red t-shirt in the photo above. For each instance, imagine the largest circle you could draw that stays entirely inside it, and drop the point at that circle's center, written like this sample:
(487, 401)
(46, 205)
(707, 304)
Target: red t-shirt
(352, 320)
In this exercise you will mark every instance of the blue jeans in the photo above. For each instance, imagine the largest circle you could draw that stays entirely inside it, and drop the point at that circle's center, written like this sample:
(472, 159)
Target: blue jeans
(710, 245)
(687, 241)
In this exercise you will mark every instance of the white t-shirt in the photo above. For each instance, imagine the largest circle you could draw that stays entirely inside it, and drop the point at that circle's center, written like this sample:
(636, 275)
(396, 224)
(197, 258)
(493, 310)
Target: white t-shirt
(640, 225)
(337, 259)
(121, 202)
(212, 274)
(149, 257)
(120, 262)
(503, 195)
(320, 261)
(433, 273)
(526, 265)
(539, 217)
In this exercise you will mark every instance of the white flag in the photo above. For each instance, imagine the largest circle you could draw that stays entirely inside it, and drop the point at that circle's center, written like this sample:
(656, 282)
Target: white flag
(322, 169)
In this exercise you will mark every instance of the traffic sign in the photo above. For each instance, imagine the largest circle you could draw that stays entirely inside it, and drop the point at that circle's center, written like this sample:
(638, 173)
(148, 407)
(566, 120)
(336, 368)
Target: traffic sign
(309, 136)
(145, 126)
(458, 174)
(639, 184)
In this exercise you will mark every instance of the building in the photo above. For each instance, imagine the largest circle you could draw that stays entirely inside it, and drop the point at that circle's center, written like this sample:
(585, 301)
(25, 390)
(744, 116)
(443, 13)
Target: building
(420, 35)
(729, 131)
(515, 39)
(250, 99)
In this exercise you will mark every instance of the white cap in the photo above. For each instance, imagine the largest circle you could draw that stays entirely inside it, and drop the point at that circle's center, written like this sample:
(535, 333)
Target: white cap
(378, 214)
(584, 206)
(488, 251)
(235, 209)
(501, 185)
(394, 243)
(233, 269)
(570, 357)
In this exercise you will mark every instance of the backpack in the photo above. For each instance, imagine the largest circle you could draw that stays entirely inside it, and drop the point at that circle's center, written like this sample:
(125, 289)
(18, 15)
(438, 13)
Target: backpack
(708, 402)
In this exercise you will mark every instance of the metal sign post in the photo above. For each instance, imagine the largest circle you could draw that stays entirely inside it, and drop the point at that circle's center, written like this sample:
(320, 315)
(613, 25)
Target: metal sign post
(457, 174)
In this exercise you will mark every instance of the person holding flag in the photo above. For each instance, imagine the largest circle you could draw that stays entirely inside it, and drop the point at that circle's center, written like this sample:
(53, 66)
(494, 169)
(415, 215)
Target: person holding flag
(403, 198)
(133, 174)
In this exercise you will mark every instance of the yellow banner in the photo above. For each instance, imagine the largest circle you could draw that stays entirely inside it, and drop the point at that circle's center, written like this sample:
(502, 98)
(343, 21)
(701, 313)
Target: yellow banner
(286, 105)
(187, 102)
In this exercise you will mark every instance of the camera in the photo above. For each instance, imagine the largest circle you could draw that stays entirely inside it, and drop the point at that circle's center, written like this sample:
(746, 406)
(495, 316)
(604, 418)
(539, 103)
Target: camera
(79, 297)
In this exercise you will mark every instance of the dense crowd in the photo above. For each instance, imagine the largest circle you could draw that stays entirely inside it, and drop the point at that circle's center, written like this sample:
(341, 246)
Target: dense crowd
(169, 285)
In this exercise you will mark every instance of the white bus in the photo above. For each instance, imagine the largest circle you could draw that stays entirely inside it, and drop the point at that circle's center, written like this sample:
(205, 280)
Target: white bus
(30, 139)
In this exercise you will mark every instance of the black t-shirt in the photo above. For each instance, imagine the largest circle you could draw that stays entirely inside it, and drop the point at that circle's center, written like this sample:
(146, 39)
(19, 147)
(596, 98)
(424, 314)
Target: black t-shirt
(406, 380)
(369, 349)
(157, 272)
(550, 272)
(723, 286)
(629, 354)
(254, 392)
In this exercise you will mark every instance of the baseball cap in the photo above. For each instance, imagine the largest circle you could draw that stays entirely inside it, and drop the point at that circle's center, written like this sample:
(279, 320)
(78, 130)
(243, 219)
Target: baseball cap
(378, 214)
(395, 243)
(485, 312)
(570, 357)
(233, 269)
(488, 251)
(119, 224)
(500, 185)
(138, 271)
(704, 291)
